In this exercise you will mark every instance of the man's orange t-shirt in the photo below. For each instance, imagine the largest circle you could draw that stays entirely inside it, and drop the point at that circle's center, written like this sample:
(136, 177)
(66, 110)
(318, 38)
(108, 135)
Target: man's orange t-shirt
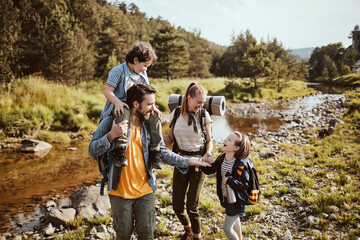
(134, 178)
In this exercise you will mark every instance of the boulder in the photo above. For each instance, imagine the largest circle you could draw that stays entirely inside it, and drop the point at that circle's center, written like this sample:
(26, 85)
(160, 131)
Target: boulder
(32, 145)
(89, 203)
(59, 217)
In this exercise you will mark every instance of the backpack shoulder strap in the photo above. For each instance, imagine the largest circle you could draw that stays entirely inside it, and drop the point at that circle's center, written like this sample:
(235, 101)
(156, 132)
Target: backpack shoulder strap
(202, 117)
(175, 117)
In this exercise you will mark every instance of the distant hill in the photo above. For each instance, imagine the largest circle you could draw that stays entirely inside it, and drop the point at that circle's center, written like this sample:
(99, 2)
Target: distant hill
(302, 53)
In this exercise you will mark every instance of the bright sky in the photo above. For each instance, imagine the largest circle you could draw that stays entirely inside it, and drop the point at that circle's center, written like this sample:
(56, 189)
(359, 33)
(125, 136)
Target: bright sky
(295, 23)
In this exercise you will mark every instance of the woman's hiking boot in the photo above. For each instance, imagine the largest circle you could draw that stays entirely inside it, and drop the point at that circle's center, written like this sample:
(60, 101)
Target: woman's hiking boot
(188, 235)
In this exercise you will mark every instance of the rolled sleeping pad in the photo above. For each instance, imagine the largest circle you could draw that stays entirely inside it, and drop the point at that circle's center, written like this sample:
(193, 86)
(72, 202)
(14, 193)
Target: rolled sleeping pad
(215, 105)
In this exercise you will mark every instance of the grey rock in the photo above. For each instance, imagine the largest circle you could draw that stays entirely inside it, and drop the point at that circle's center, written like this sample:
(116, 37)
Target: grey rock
(102, 235)
(332, 216)
(50, 204)
(32, 145)
(49, 230)
(87, 201)
(93, 231)
(59, 217)
(334, 209)
(7, 235)
(287, 235)
(101, 228)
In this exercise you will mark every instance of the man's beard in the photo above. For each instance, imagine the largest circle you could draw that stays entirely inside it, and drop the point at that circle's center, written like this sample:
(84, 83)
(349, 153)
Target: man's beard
(141, 115)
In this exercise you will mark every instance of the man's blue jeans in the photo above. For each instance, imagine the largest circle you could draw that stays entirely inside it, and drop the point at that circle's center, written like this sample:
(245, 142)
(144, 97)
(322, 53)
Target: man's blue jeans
(127, 211)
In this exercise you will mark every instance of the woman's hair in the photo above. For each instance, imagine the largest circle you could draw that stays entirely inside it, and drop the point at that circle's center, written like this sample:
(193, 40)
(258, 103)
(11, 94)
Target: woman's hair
(193, 90)
(244, 146)
(143, 51)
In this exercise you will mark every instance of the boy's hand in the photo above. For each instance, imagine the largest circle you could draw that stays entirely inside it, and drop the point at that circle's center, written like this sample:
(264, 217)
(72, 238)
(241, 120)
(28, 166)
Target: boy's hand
(158, 112)
(225, 180)
(119, 108)
(118, 129)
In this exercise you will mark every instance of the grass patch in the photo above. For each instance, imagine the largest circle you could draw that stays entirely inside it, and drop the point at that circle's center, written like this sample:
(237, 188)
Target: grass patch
(323, 201)
(55, 137)
(347, 218)
(76, 223)
(73, 235)
(255, 209)
(283, 190)
(105, 220)
(165, 200)
(269, 191)
(306, 195)
(161, 228)
(207, 204)
(165, 172)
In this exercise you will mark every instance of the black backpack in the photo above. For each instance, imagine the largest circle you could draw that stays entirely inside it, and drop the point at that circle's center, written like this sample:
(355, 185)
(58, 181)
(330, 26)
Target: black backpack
(202, 150)
(254, 186)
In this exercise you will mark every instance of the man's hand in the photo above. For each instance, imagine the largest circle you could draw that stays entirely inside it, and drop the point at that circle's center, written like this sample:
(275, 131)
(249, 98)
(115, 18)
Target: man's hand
(194, 161)
(119, 108)
(117, 130)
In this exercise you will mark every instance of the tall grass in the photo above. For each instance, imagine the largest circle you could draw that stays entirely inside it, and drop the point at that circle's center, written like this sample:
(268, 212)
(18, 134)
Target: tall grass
(28, 105)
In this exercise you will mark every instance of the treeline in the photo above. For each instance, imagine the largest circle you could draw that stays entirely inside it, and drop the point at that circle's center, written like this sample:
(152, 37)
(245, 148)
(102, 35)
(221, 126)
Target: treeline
(71, 41)
(331, 61)
(77, 40)
(269, 60)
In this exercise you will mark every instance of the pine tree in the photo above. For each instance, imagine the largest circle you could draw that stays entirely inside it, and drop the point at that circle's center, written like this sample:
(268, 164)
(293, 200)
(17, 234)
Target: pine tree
(9, 30)
(116, 36)
(251, 59)
(172, 52)
(199, 56)
(61, 54)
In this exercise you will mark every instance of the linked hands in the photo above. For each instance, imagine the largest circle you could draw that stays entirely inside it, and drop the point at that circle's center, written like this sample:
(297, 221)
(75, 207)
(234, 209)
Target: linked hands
(209, 158)
(194, 161)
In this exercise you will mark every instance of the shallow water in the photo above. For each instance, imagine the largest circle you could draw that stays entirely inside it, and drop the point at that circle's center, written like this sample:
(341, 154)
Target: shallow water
(26, 178)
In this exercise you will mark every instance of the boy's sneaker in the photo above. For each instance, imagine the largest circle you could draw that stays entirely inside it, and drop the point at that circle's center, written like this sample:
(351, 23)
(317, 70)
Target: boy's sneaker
(155, 159)
(118, 155)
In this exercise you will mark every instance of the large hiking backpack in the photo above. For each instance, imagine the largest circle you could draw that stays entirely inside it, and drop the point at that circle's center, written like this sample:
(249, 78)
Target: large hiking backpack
(202, 117)
(254, 186)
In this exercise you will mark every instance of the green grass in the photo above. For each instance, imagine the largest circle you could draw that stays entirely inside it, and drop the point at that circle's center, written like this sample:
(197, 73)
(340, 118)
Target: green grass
(161, 228)
(166, 172)
(269, 191)
(31, 104)
(105, 220)
(165, 200)
(73, 235)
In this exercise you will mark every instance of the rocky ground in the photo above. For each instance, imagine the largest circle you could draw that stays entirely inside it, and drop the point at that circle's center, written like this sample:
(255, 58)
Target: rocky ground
(282, 217)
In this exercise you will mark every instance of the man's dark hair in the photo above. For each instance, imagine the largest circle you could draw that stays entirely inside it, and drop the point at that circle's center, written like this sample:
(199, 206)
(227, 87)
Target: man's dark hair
(143, 51)
(137, 93)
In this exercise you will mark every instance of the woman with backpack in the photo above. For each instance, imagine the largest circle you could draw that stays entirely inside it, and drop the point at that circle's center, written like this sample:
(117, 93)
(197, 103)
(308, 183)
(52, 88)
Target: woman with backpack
(190, 132)
(233, 171)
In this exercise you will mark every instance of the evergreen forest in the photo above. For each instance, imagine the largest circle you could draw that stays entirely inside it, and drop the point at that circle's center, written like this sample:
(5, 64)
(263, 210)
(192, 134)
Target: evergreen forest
(71, 41)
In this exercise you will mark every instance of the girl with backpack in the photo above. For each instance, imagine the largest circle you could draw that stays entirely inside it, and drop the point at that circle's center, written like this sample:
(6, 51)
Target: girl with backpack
(232, 169)
(190, 131)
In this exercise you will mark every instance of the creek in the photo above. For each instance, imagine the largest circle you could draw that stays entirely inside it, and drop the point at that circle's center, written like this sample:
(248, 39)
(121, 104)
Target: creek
(28, 181)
